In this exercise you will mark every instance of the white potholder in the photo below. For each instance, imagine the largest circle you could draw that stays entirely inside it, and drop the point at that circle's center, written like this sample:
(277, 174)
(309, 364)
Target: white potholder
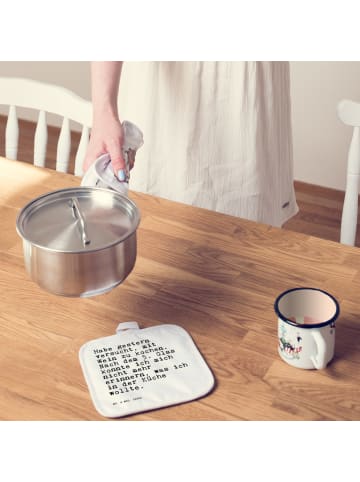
(143, 369)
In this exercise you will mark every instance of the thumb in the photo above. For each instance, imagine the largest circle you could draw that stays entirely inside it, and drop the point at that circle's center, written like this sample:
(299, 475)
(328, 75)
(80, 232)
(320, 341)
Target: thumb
(118, 163)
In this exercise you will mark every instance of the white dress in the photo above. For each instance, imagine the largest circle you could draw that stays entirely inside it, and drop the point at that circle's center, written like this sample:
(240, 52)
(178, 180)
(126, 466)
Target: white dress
(216, 135)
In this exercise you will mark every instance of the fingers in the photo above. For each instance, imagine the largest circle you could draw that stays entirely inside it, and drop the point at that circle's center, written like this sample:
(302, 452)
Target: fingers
(122, 165)
(119, 168)
(112, 143)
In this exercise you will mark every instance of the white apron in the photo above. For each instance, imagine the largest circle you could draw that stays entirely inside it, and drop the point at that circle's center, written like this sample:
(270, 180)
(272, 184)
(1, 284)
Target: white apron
(216, 135)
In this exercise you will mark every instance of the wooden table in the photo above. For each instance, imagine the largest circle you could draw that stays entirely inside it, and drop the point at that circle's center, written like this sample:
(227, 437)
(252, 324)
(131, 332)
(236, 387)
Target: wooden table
(216, 276)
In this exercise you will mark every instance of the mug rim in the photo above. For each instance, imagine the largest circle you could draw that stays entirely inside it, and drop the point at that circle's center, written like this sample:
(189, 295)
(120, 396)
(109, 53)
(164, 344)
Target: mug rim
(307, 326)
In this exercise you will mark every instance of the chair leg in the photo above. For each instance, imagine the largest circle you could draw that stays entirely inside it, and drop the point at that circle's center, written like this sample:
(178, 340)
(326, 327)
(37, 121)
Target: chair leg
(350, 211)
(350, 207)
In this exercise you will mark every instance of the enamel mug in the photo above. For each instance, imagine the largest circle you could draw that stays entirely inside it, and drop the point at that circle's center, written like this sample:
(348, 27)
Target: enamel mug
(306, 327)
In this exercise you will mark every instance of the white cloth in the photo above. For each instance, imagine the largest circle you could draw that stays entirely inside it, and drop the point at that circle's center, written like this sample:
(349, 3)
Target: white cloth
(216, 135)
(101, 174)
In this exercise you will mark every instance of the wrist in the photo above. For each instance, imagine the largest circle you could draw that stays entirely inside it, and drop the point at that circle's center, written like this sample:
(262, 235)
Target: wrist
(106, 110)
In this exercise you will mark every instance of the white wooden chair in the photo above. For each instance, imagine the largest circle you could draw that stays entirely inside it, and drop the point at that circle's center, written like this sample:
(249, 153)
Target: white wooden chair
(349, 114)
(20, 92)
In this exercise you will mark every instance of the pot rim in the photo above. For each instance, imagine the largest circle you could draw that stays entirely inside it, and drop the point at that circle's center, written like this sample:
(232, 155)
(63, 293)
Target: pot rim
(303, 325)
(69, 189)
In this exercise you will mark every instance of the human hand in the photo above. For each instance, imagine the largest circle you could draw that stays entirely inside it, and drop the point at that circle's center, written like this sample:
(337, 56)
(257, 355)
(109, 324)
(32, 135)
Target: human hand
(107, 136)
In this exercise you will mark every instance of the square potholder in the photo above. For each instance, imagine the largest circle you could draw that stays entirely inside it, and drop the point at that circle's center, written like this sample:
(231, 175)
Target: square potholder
(143, 369)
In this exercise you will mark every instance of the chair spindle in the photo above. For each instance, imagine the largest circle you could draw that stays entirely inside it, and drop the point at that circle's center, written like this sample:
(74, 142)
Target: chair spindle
(40, 140)
(12, 134)
(63, 147)
(80, 155)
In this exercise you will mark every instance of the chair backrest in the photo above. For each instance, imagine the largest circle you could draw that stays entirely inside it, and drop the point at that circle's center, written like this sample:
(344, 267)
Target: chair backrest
(349, 114)
(19, 92)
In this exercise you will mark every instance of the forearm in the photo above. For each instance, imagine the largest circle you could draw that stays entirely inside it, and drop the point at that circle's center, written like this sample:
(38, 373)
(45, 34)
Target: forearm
(106, 132)
(105, 79)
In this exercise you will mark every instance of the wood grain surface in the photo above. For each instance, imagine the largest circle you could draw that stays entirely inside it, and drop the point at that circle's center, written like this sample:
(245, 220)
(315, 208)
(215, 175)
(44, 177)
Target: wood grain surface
(216, 276)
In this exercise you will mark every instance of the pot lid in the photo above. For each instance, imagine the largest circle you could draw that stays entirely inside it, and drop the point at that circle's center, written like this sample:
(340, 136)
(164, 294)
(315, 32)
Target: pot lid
(78, 219)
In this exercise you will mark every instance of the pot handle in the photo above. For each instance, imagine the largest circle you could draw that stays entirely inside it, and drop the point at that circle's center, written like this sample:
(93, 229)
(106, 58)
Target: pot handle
(77, 213)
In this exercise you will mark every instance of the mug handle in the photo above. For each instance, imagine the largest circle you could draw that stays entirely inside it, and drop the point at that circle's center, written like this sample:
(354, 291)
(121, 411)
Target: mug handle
(319, 360)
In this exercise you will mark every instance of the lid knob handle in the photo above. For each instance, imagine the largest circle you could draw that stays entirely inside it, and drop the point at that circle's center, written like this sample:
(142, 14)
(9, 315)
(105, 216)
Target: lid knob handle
(79, 216)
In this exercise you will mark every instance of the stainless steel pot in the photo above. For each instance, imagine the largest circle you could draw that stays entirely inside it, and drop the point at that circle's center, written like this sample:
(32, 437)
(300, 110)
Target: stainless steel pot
(79, 241)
